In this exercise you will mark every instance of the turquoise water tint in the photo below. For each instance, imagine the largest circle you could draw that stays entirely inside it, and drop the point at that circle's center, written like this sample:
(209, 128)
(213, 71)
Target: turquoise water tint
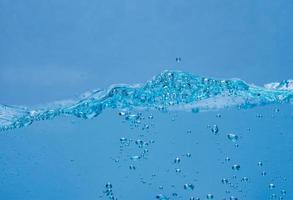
(146, 100)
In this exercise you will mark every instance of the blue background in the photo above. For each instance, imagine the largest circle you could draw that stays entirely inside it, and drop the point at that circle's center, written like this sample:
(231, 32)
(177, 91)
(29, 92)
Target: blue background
(54, 50)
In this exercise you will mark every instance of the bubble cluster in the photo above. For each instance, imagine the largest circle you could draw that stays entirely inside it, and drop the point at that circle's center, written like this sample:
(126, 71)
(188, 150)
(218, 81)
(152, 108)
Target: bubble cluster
(109, 191)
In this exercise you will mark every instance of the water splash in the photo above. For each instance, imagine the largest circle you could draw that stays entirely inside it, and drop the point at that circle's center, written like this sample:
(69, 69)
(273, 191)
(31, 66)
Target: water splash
(167, 91)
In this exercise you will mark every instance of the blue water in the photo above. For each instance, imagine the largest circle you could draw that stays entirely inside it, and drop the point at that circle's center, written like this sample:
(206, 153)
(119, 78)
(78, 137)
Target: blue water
(178, 136)
(162, 100)
(167, 91)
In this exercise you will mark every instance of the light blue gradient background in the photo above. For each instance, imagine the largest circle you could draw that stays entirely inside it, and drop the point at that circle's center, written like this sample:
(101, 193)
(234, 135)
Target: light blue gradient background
(54, 50)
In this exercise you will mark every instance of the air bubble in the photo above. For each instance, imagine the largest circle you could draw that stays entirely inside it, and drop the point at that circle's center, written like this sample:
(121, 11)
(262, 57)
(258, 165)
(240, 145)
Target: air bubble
(188, 186)
(108, 185)
(121, 113)
(272, 186)
(177, 170)
(215, 129)
(224, 181)
(188, 155)
(132, 167)
(283, 192)
(177, 160)
(123, 140)
(161, 197)
(244, 179)
(232, 137)
(135, 158)
(178, 59)
(218, 115)
(236, 167)
(151, 117)
(174, 194)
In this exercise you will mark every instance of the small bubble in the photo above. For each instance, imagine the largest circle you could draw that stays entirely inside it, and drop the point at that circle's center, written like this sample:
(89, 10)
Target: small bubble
(283, 192)
(174, 194)
(259, 164)
(177, 160)
(123, 140)
(188, 186)
(224, 181)
(233, 198)
(236, 167)
(146, 126)
(145, 151)
(132, 117)
(135, 157)
(178, 59)
(210, 196)
(232, 137)
(263, 173)
(227, 159)
(139, 142)
(108, 185)
(161, 197)
(215, 129)
(188, 155)
(244, 179)
(151, 117)
(177, 170)
(132, 167)
(272, 186)
(121, 113)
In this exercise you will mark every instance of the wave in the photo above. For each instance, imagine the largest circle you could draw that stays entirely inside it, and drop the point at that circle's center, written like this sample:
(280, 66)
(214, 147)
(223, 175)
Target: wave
(170, 90)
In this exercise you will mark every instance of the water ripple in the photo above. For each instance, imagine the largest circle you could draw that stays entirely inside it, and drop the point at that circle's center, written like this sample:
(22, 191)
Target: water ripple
(167, 91)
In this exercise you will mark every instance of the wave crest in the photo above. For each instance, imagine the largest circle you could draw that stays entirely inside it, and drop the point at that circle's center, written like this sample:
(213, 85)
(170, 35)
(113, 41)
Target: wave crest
(166, 91)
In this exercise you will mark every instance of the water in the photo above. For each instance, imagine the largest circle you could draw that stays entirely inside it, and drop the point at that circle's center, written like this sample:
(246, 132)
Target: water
(145, 142)
(81, 117)
(170, 90)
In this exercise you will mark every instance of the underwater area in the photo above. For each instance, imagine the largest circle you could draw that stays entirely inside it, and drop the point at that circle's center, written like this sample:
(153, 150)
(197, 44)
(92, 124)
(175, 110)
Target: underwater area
(146, 100)
(178, 136)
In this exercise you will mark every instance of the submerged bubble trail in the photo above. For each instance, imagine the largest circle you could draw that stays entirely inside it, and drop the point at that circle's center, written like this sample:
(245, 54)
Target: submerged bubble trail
(167, 91)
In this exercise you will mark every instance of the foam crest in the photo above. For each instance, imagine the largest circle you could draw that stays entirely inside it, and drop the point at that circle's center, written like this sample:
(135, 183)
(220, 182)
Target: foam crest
(167, 91)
